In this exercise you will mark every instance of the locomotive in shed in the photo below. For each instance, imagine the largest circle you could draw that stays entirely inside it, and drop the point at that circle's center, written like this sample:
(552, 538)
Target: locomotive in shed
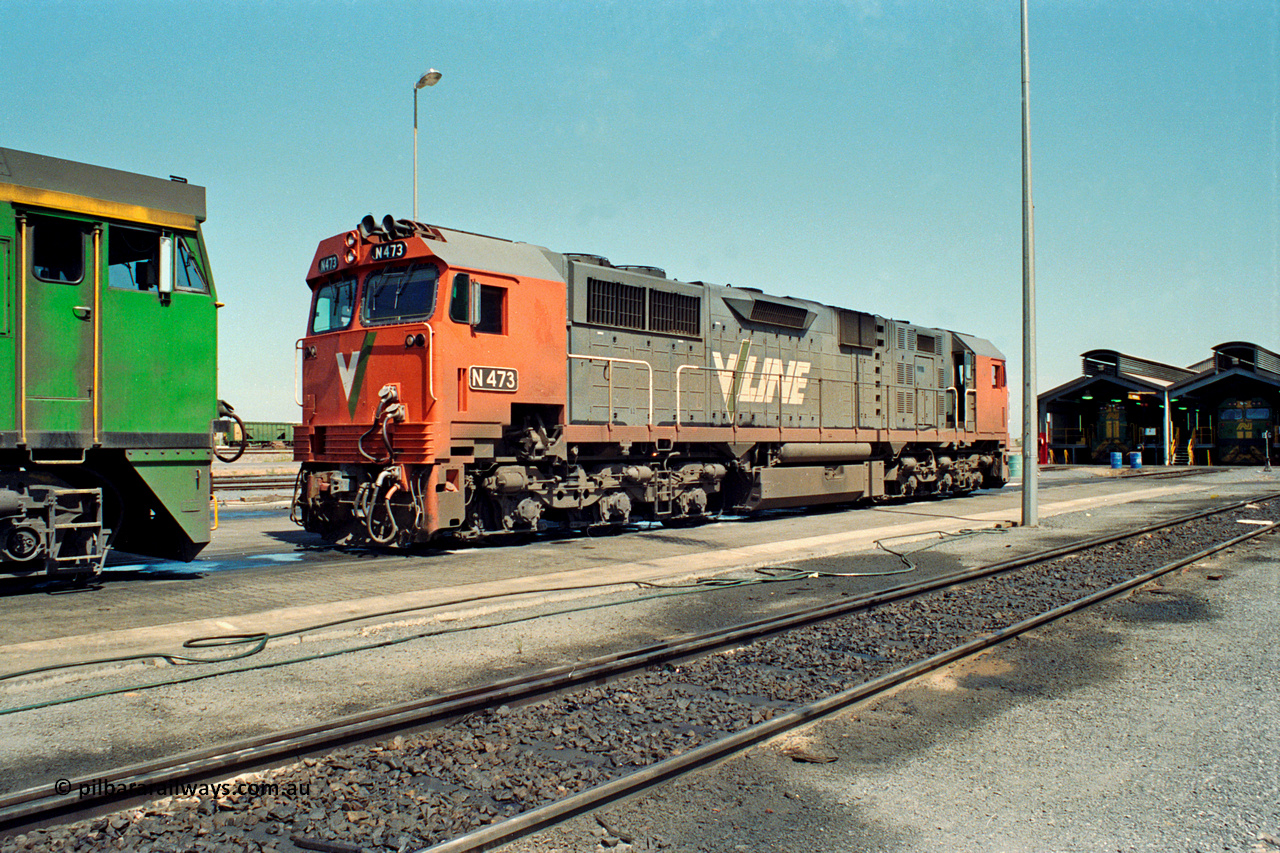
(454, 383)
(108, 336)
(1245, 426)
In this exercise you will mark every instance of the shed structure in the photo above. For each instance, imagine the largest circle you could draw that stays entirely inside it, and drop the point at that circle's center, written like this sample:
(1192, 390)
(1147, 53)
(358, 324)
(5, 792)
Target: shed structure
(1221, 410)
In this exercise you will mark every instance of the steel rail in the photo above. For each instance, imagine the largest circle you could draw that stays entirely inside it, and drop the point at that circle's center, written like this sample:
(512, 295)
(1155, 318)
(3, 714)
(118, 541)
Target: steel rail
(543, 817)
(36, 806)
(244, 482)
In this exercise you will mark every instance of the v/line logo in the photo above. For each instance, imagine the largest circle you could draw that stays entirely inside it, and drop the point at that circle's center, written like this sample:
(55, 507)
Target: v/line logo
(774, 377)
(351, 372)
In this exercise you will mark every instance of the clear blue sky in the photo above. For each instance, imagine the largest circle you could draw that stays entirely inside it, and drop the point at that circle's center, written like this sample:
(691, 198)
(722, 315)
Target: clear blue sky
(864, 154)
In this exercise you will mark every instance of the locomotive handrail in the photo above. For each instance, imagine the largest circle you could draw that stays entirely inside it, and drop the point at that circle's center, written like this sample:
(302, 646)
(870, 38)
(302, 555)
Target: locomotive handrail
(678, 370)
(961, 420)
(97, 333)
(21, 221)
(431, 365)
(297, 384)
(609, 360)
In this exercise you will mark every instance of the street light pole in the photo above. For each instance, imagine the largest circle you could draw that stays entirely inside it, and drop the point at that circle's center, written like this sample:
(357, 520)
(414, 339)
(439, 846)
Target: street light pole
(1030, 407)
(431, 78)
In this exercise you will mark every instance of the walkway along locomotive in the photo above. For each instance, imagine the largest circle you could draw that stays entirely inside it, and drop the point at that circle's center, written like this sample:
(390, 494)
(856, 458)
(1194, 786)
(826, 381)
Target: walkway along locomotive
(108, 338)
(457, 383)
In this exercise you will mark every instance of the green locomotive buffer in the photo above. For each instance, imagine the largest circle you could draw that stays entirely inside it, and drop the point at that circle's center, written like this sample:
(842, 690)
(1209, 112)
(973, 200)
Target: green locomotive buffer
(108, 340)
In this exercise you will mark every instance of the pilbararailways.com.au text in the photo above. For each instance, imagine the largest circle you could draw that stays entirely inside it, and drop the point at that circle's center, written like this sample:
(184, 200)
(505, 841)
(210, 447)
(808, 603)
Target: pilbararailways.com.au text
(180, 788)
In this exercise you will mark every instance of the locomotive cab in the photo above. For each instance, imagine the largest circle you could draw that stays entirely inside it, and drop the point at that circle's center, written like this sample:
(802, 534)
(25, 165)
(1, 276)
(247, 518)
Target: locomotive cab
(104, 438)
(412, 374)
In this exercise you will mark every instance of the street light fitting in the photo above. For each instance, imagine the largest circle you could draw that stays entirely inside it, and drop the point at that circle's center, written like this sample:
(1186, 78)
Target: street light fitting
(431, 78)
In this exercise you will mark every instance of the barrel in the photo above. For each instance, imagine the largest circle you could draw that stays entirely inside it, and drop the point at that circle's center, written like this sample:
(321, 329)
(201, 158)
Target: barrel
(1135, 460)
(1117, 459)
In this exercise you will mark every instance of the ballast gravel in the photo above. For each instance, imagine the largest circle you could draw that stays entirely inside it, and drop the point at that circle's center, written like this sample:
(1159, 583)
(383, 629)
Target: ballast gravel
(1150, 723)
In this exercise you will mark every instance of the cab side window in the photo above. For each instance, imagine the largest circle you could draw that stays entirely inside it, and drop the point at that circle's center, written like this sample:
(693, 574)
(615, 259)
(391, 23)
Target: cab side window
(57, 250)
(187, 274)
(133, 258)
(493, 310)
(460, 298)
(490, 315)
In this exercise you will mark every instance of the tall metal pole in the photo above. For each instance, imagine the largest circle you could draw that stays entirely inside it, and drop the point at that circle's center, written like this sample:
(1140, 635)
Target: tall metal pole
(1030, 407)
(415, 153)
(431, 78)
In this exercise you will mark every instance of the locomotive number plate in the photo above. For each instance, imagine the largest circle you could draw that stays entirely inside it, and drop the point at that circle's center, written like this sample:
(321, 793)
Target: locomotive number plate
(493, 379)
(388, 251)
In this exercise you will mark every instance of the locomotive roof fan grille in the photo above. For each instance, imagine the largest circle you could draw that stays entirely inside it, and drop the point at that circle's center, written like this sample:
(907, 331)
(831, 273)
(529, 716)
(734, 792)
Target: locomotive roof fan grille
(777, 314)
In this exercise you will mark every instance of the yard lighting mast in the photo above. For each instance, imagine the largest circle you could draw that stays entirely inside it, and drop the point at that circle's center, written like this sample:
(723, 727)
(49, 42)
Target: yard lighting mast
(1030, 407)
(431, 78)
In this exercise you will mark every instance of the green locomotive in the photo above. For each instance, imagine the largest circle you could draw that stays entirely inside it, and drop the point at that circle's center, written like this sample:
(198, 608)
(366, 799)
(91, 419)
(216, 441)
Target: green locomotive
(108, 340)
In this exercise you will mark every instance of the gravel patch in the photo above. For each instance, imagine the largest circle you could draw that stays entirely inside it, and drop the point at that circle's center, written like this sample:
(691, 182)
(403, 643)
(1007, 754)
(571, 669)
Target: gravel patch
(1146, 724)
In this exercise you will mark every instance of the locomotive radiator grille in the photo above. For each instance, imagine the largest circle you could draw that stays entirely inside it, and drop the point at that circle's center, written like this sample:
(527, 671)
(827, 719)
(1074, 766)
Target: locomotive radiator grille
(413, 443)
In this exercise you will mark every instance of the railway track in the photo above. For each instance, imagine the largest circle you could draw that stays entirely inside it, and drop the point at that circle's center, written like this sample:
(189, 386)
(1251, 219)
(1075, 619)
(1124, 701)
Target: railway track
(253, 482)
(618, 724)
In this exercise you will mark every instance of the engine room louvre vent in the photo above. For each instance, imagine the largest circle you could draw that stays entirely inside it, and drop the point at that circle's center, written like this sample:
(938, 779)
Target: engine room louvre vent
(777, 314)
(857, 329)
(926, 343)
(612, 303)
(675, 313)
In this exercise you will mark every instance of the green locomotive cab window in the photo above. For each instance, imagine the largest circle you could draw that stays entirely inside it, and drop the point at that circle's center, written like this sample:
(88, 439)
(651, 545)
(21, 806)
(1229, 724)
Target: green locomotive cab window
(334, 307)
(1232, 414)
(187, 274)
(400, 294)
(57, 250)
(460, 298)
(133, 258)
(1257, 414)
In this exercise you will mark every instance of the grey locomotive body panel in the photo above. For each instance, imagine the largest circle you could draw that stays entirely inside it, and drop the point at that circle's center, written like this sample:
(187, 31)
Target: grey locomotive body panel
(647, 349)
(626, 348)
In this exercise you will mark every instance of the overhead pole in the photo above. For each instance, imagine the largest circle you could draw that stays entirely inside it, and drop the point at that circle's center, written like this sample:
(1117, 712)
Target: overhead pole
(430, 78)
(1030, 407)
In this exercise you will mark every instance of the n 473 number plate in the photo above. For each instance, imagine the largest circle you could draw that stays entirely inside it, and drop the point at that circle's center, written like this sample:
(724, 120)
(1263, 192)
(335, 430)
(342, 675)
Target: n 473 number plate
(493, 379)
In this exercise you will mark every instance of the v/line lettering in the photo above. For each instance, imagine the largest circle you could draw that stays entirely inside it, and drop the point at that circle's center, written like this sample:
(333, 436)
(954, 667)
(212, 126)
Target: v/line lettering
(773, 378)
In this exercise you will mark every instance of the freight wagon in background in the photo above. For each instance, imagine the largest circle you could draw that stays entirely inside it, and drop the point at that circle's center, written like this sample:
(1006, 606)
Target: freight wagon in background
(108, 336)
(259, 434)
(463, 384)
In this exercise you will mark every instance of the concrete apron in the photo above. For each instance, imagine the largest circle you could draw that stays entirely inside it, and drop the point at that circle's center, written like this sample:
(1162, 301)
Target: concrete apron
(524, 591)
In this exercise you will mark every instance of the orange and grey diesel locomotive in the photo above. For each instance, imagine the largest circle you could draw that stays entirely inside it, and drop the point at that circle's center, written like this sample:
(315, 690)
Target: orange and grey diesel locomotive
(463, 384)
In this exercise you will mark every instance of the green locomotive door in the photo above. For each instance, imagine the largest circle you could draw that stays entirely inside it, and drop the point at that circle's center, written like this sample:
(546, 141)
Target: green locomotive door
(57, 317)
